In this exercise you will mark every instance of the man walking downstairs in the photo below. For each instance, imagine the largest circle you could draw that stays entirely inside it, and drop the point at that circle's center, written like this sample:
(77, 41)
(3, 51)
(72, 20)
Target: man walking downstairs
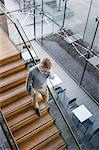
(36, 83)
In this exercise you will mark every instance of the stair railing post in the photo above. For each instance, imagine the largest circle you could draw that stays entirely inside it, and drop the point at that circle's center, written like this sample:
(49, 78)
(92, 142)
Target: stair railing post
(97, 20)
(34, 21)
(65, 8)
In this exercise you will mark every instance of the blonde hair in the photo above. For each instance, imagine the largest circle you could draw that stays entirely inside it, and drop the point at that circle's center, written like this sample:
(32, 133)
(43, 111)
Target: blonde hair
(46, 63)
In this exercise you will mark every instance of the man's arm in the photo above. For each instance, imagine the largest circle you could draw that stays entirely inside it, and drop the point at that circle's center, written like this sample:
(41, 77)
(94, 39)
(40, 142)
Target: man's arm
(29, 81)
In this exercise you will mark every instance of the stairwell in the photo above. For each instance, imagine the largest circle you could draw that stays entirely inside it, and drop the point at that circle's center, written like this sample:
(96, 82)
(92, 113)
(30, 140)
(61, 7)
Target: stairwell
(29, 130)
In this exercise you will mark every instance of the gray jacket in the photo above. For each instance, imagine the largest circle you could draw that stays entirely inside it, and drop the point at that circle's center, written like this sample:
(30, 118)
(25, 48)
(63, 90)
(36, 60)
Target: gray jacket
(36, 79)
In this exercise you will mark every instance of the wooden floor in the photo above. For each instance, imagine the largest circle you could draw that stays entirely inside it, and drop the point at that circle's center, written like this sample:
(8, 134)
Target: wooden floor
(6, 47)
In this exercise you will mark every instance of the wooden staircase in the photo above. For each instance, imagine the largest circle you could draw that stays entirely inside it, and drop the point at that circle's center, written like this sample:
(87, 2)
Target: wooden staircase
(29, 130)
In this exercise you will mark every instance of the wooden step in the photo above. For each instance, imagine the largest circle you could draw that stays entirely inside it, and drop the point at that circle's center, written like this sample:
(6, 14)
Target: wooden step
(22, 118)
(40, 139)
(12, 94)
(10, 57)
(12, 80)
(32, 128)
(12, 68)
(56, 144)
(17, 106)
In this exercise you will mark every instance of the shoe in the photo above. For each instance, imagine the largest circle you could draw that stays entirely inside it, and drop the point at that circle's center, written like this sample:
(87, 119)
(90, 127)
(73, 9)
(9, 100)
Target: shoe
(38, 111)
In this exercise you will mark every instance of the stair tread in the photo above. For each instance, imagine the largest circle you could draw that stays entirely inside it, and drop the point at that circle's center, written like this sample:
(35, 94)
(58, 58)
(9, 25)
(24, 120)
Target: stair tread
(12, 78)
(11, 65)
(16, 104)
(7, 45)
(54, 144)
(8, 49)
(11, 92)
(40, 137)
(30, 127)
(19, 117)
(9, 54)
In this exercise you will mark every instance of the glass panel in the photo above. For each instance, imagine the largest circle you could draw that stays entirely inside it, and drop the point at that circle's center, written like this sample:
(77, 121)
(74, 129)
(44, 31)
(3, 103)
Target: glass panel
(38, 20)
(54, 9)
(70, 47)
(12, 5)
(91, 25)
(23, 19)
(76, 15)
(90, 80)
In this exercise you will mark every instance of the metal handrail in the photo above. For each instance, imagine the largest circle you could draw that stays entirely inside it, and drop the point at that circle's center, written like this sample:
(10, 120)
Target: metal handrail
(10, 133)
(8, 16)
